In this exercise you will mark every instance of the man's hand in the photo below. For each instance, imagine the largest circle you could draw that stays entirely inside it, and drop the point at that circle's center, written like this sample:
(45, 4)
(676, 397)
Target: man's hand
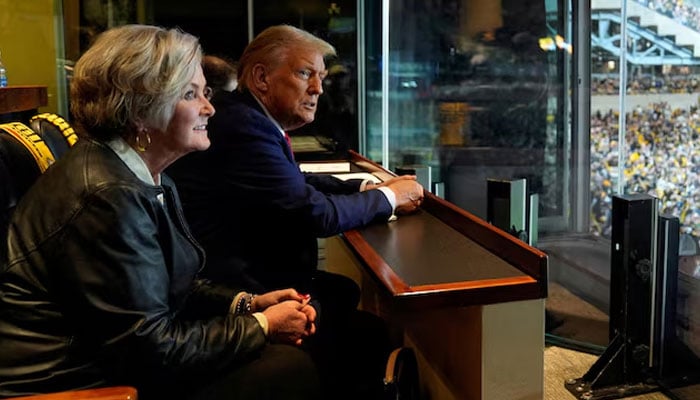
(409, 194)
(371, 185)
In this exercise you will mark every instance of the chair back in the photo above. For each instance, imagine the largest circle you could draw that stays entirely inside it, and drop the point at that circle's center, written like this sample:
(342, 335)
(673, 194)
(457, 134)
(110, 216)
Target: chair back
(25, 153)
(57, 133)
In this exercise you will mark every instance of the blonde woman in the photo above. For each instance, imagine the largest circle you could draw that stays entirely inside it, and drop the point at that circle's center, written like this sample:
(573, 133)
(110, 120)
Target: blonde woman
(101, 285)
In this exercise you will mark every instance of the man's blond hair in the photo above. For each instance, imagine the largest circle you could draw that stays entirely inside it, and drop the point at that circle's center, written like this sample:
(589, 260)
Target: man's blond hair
(272, 46)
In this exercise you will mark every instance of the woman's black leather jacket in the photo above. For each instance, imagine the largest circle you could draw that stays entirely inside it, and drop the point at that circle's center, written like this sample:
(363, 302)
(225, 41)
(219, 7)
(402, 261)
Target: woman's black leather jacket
(101, 286)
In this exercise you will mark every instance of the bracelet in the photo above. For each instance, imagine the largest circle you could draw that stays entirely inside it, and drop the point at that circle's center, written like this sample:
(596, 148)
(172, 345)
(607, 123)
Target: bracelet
(244, 304)
(240, 305)
(249, 304)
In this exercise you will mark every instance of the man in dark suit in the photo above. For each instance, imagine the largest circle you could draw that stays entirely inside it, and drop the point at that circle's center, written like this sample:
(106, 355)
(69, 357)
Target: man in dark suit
(249, 205)
(258, 217)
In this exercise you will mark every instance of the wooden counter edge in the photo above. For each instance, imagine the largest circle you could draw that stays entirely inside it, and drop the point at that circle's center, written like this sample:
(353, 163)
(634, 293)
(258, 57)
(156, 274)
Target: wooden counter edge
(451, 294)
(526, 258)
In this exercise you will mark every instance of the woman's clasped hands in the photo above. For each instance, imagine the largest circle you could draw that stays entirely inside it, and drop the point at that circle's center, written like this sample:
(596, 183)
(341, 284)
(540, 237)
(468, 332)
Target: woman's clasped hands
(289, 315)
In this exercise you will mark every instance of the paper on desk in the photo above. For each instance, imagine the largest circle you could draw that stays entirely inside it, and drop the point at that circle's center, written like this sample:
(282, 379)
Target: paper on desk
(358, 175)
(325, 167)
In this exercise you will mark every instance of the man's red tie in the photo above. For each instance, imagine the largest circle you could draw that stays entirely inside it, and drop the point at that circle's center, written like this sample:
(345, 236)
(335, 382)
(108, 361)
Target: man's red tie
(289, 143)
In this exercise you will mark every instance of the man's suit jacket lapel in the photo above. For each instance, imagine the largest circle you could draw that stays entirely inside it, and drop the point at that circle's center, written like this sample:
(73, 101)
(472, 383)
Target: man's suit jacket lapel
(253, 103)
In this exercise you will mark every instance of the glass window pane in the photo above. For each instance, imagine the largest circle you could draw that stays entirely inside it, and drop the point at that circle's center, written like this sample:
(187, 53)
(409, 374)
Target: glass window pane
(479, 90)
(474, 91)
(645, 114)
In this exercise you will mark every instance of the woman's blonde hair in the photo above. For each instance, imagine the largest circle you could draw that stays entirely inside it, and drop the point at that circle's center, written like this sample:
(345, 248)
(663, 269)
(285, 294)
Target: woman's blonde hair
(131, 77)
(271, 48)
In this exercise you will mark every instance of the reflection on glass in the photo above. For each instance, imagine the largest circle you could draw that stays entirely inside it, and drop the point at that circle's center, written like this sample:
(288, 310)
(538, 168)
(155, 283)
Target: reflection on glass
(688, 305)
(474, 95)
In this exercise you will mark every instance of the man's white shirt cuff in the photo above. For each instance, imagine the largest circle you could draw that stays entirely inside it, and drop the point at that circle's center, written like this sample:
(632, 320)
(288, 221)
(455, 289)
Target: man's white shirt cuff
(389, 196)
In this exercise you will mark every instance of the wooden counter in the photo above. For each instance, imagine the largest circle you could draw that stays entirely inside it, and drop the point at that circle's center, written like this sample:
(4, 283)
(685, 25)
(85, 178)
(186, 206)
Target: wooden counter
(22, 98)
(466, 296)
(19, 103)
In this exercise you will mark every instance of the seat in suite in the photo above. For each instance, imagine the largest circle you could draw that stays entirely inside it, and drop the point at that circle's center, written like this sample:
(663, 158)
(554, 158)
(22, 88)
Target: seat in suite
(25, 153)
(56, 132)
(24, 156)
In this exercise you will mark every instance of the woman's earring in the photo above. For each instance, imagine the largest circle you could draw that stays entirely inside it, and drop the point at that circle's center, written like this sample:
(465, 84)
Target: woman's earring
(140, 146)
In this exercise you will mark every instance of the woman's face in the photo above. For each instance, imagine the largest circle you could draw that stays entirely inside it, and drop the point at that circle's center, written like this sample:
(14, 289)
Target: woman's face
(187, 130)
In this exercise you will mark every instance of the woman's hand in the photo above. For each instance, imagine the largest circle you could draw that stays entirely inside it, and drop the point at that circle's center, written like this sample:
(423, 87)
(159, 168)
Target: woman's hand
(263, 301)
(290, 321)
(311, 318)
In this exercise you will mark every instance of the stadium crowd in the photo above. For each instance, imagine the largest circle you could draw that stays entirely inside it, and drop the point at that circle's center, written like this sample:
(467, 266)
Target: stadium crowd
(682, 11)
(601, 85)
(662, 158)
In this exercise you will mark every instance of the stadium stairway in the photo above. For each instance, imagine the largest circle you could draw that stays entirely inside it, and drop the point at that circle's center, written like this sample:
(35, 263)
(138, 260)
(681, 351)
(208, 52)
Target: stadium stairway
(672, 43)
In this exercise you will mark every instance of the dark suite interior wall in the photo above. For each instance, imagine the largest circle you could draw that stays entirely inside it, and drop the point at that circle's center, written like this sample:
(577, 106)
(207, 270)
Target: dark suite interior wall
(220, 25)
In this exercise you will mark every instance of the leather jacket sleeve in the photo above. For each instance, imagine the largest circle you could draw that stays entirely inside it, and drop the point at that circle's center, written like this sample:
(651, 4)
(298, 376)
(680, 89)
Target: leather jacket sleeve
(148, 299)
(207, 299)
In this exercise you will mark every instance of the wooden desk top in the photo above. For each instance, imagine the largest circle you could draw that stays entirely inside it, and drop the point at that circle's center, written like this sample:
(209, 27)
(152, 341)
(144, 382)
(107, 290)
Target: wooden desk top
(22, 98)
(445, 256)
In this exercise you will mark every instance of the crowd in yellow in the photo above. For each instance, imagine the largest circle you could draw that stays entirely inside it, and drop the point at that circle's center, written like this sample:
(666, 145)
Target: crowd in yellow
(662, 158)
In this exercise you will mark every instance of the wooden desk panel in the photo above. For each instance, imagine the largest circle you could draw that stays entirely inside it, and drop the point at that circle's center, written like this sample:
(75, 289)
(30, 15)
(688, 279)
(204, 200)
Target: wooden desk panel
(445, 256)
(466, 296)
(424, 263)
(413, 242)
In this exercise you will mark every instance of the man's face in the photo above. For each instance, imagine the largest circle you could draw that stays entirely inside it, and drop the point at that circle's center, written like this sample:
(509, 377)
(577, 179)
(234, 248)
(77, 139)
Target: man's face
(294, 87)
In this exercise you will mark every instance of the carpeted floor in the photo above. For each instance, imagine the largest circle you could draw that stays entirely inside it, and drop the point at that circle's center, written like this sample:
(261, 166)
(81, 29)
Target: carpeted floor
(569, 317)
(561, 364)
(574, 323)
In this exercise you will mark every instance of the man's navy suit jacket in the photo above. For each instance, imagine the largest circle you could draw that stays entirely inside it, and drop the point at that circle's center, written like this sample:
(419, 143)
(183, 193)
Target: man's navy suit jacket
(254, 212)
